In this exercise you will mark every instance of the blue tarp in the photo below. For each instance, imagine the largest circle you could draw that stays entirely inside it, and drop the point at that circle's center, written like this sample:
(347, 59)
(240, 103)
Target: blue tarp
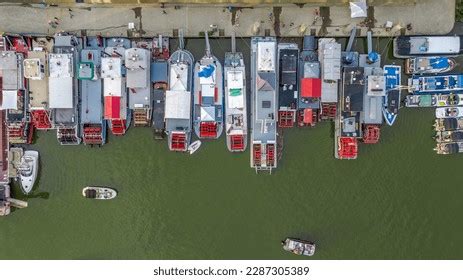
(207, 71)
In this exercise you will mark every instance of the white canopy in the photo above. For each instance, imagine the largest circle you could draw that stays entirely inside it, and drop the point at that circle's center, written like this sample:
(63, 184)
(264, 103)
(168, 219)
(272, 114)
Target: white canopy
(208, 113)
(60, 90)
(178, 104)
(9, 100)
(178, 76)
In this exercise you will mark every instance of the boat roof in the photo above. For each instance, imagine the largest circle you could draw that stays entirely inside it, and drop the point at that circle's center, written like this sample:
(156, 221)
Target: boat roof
(38, 82)
(139, 97)
(9, 69)
(9, 100)
(179, 76)
(111, 67)
(91, 101)
(288, 57)
(372, 109)
(353, 87)
(178, 104)
(235, 88)
(4, 179)
(392, 76)
(158, 108)
(416, 45)
(159, 72)
(330, 57)
(137, 63)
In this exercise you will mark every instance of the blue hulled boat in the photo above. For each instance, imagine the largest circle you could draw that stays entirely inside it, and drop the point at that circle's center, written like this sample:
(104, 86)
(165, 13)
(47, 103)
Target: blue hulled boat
(392, 98)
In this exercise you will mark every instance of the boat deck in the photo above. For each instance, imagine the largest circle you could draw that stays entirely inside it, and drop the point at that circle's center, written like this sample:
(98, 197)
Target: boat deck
(158, 109)
(91, 90)
(38, 89)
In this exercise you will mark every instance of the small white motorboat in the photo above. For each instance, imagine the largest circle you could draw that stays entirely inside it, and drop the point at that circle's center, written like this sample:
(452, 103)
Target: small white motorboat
(28, 170)
(299, 247)
(194, 146)
(99, 192)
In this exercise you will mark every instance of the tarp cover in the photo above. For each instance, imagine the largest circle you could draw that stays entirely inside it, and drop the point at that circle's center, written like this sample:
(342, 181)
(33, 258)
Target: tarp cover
(178, 104)
(60, 91)
(9, 100)
(178, 77)
(206, 74)
(112, 107)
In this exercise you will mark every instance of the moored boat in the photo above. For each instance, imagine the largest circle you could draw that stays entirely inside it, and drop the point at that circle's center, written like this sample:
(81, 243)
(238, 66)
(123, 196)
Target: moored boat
(28, 170)
(429, 65)
(449, 136)
(448, 124)
(264, 81)
(288, 56)
(310, 84)
(138, 64)
(391, 101)
(449, 112)
(208, 96)
(36, 72)
(179, 99)
(408, 46)
(449, 148)
(329, 54)
(444, 84)
(159, 79)
(236, 123)
(93, 126)
(434, 100)
(113, 72)
(99, 192)
(63, 88)
(5, 205)
(299, 247)
(193, 147)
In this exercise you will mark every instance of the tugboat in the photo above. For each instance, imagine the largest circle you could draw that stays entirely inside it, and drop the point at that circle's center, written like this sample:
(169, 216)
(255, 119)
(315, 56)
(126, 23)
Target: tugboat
(299, 247)
(113, 73)
(449, 136)
(264, 81)
(178, 98)
(36, 72)
(28, 170)
(138, 63)
(208, 96)
(99, 192)
(288, 55)
(235, 101)
(92, 124)
(434, 100)
(449, 148)
(329, 53)
(436, 84)
(14, 92)
(63, 88)
(408, 46)
(159, 79)
(392, 98)
(429, 65)
(310, 84)
(449, 112)
(448, 124)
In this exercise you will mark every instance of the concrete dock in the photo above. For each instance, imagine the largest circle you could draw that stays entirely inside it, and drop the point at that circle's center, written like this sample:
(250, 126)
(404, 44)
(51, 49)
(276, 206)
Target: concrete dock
(410, 17)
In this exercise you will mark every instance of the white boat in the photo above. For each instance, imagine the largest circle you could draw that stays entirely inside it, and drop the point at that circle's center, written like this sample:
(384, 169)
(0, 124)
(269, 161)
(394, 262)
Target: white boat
(299, 247)
(449, 112)
(194, 146)
(97, 192)
(28, 170)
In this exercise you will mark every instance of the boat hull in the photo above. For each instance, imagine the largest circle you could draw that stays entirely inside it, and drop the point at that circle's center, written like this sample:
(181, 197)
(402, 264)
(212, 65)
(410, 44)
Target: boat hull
(27, 180)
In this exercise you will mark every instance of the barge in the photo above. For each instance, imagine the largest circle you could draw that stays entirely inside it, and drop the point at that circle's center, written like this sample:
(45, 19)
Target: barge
(329, 53)
(137, 64)
(63, 88)
(310, 84)
(36, 72)
(113, 73)
(288, 55)
(159, 80)
(208, 96)
(409, 46)
(264, 81)
(92, 123)
(178, 107)
(236, 121)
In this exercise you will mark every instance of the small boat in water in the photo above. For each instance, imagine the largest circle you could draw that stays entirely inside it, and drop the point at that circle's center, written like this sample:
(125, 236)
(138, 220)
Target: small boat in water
(449, 148)
(448, 124)
(235, 100)
(208, 96)
(194, 146)
(28, 170)
(429, 65)
(449, 136)
(299, 247)
(449, 112)
(98, 192)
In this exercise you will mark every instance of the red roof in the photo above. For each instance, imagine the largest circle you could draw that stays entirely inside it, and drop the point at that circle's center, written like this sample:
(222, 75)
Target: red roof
(311, 87)
(308, 116)
(112, 107)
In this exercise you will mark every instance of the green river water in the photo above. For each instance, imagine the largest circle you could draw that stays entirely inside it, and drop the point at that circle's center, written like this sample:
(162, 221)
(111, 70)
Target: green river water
(398, 200)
